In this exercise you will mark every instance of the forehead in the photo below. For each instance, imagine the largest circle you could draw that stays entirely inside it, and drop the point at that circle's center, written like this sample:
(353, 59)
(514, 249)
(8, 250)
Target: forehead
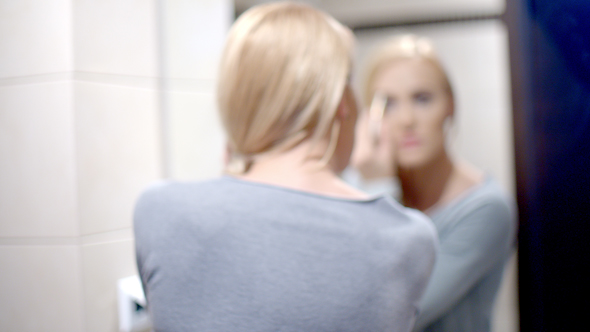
(409, 74)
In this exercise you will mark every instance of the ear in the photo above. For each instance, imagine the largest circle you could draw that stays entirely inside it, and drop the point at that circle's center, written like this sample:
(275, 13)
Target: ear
(347, 104)
(342, 112)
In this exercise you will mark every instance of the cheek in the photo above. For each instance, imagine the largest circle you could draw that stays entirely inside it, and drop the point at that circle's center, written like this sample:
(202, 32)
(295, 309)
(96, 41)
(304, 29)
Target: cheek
(389, 130)
(434, 129)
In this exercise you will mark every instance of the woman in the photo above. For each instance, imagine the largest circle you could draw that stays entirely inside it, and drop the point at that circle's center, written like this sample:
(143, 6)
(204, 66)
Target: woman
(281, 243)
(410, 102)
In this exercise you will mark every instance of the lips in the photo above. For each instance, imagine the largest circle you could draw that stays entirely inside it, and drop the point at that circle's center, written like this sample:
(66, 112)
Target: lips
(409, 142)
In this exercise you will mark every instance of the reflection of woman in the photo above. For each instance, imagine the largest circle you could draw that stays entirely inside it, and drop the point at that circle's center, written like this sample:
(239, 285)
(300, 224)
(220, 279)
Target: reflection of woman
(411, 103)
(282, 244)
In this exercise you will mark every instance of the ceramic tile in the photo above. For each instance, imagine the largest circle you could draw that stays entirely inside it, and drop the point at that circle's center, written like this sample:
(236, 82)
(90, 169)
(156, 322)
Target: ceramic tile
(117, 152)
(40, 289)
(115, 37)
(37, 178)
(122, 234)
(36, 37)
(196, 138)
(194, 34)
(103, 264)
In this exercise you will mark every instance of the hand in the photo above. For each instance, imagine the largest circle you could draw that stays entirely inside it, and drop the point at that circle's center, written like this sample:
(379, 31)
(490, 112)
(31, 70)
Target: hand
(373, 157)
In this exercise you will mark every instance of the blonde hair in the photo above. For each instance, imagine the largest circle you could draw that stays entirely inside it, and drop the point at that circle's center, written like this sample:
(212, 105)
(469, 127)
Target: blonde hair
(282, 75)
(399, 48)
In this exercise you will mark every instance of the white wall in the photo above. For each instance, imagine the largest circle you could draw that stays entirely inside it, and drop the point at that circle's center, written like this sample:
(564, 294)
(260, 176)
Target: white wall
(81, 105)
(193, 38)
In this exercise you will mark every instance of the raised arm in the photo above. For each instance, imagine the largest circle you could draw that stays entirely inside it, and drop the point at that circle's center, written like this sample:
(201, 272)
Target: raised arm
(477, 240)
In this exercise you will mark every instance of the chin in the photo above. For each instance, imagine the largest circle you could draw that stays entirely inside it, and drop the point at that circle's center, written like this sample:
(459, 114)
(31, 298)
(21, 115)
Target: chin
(411, 162)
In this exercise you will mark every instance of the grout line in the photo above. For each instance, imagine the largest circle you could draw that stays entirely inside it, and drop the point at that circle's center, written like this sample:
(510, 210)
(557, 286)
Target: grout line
(36, 79)
(39, 241)
(107, 242)
(109, 231)
(161, 84)
(122, 234)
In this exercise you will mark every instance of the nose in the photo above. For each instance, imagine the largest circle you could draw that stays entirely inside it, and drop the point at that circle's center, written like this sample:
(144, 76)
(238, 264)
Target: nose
(406, 116)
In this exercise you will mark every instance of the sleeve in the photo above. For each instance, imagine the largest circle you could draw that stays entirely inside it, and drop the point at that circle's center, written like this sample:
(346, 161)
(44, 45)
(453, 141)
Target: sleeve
(140, 236)
(479, 239)
(146, 214)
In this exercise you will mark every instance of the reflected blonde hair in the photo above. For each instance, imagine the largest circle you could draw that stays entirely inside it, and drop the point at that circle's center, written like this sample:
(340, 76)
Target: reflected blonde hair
(399, 48)
(282, 76)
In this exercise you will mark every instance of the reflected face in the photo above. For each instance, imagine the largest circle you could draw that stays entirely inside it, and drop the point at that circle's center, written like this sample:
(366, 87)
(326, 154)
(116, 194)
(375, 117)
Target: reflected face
(417, 105)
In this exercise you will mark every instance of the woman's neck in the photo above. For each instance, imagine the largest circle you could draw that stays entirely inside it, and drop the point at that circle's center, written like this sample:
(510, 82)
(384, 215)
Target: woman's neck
(301, 168)
(437, 183)
(423, 187)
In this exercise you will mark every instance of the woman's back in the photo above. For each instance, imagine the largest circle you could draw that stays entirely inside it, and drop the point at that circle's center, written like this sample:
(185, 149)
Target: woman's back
(234, 255)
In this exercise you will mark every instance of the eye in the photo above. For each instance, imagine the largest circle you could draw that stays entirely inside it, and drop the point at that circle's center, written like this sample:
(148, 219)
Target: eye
(390, 103)
(423, 97)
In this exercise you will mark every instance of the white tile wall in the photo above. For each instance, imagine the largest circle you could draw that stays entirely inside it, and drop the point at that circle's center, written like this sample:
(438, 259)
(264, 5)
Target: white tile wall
(102, 265)
(80, 139)
(117, 152)
(37, 174)
(196, 138)
(40, 289)
(114, 36)
(194, 36)
(36, 37)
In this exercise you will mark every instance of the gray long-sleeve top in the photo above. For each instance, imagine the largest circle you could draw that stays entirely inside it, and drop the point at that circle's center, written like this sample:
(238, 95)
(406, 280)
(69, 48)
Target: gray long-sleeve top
(233, 255)
(476, 235)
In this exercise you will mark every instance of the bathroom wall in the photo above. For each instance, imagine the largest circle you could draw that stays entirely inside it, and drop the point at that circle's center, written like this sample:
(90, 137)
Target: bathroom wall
(85, 91)
(193, 34)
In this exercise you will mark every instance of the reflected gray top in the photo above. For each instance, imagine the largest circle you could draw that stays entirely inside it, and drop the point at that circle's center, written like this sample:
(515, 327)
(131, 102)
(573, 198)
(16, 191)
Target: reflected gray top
(233, 255)
(476, 235)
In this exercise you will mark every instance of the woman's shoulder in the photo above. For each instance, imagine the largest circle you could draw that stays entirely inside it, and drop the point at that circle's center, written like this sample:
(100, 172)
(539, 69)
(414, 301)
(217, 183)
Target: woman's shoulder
(486, 208)
(406, 225)
(416, 240)
(425, 233)
(486, 193)
(170, 191)
(178, 207)
(166, 199)
(489, 193)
